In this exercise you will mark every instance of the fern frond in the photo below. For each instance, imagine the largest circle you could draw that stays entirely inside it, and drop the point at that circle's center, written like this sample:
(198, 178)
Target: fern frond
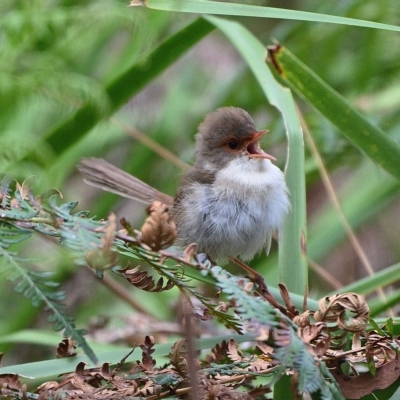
(88, 239)
(20, 216)
(35, 285)
(176, 275)
(290, 352)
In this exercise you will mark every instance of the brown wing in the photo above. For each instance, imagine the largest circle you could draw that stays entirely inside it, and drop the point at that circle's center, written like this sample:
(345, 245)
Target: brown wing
(106, 176)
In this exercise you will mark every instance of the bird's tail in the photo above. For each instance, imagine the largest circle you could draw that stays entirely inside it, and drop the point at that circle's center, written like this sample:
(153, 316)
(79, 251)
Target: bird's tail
(101, 174)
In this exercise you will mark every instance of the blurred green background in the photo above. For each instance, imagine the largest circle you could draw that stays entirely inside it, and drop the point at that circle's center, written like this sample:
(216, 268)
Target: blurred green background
(56, 56)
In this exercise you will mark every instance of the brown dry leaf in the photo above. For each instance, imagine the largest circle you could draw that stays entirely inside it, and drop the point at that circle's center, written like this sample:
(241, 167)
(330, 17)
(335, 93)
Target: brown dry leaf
(265, 349)
(66, 348)
(24, 189)
(149, 389)
(148, 362)
(224, 306)
(233, 352)
(79, 383)
(48, 387)
(316, 337)
(159, 230)
(178, 357)
(218, 353)
(142, 280)
(380, 348)
(355, 387)
(10, 381)
(303, 319)
(203, 315)
(334, 308)
(260, 364)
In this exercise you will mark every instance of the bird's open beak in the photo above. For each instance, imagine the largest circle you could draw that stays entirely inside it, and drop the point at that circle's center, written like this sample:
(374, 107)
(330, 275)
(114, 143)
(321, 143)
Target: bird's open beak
(253, 148)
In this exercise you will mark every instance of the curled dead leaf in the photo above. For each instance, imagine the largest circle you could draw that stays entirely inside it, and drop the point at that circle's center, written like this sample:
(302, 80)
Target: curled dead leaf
(316, 337)
(66, 348)
(159, 230)
(333, 309)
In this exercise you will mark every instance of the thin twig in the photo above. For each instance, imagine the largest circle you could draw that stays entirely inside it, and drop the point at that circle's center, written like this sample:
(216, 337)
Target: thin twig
(187, 325)
(151, 144)
(324, 274)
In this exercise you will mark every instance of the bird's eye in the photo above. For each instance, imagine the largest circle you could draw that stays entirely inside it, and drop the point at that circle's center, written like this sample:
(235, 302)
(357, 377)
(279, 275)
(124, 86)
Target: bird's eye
(233, 144)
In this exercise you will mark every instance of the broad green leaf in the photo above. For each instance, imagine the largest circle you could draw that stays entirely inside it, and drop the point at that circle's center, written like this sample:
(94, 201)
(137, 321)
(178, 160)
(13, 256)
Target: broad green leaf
(244, 10)
(293, 266)
(126, 85)
(366, 136)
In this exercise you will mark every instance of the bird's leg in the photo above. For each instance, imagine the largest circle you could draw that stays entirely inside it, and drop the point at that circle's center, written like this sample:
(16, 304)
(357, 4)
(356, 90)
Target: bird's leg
(259, 280)
(256, 276)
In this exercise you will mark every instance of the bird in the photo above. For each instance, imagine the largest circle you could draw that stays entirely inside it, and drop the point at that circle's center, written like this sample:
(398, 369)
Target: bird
(230, 202)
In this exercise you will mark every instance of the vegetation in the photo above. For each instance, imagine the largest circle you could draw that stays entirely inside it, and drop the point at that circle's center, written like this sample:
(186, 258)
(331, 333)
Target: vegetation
(82, 79)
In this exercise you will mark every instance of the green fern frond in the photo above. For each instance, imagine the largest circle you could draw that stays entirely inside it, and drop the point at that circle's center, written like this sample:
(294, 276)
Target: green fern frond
(20, 216)
(35, 285)
(176, 275)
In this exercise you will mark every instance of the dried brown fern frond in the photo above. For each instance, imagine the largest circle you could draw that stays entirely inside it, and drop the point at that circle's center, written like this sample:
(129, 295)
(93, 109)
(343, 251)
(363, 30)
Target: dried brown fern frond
(335, 309)
(142, 280)
(148, 362)
(178, 357)
(159, 230)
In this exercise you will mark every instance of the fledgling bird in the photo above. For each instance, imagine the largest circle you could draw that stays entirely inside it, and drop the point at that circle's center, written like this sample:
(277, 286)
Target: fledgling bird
(230, 202)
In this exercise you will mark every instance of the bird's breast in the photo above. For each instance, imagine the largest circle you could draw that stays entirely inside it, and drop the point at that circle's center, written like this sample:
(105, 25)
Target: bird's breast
(235, 214)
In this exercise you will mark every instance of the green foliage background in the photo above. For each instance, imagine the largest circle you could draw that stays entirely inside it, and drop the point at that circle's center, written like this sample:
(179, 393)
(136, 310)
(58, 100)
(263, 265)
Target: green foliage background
(57, 56)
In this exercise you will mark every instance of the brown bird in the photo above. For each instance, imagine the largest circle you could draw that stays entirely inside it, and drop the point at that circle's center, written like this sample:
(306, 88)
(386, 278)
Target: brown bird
(230, 202)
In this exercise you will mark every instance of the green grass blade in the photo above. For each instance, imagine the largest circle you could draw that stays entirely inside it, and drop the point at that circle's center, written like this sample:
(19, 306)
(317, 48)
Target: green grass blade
(293, 266)
(220, 8)
(127, 85)
(377, 306)
(369, 284)
(367, 137)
